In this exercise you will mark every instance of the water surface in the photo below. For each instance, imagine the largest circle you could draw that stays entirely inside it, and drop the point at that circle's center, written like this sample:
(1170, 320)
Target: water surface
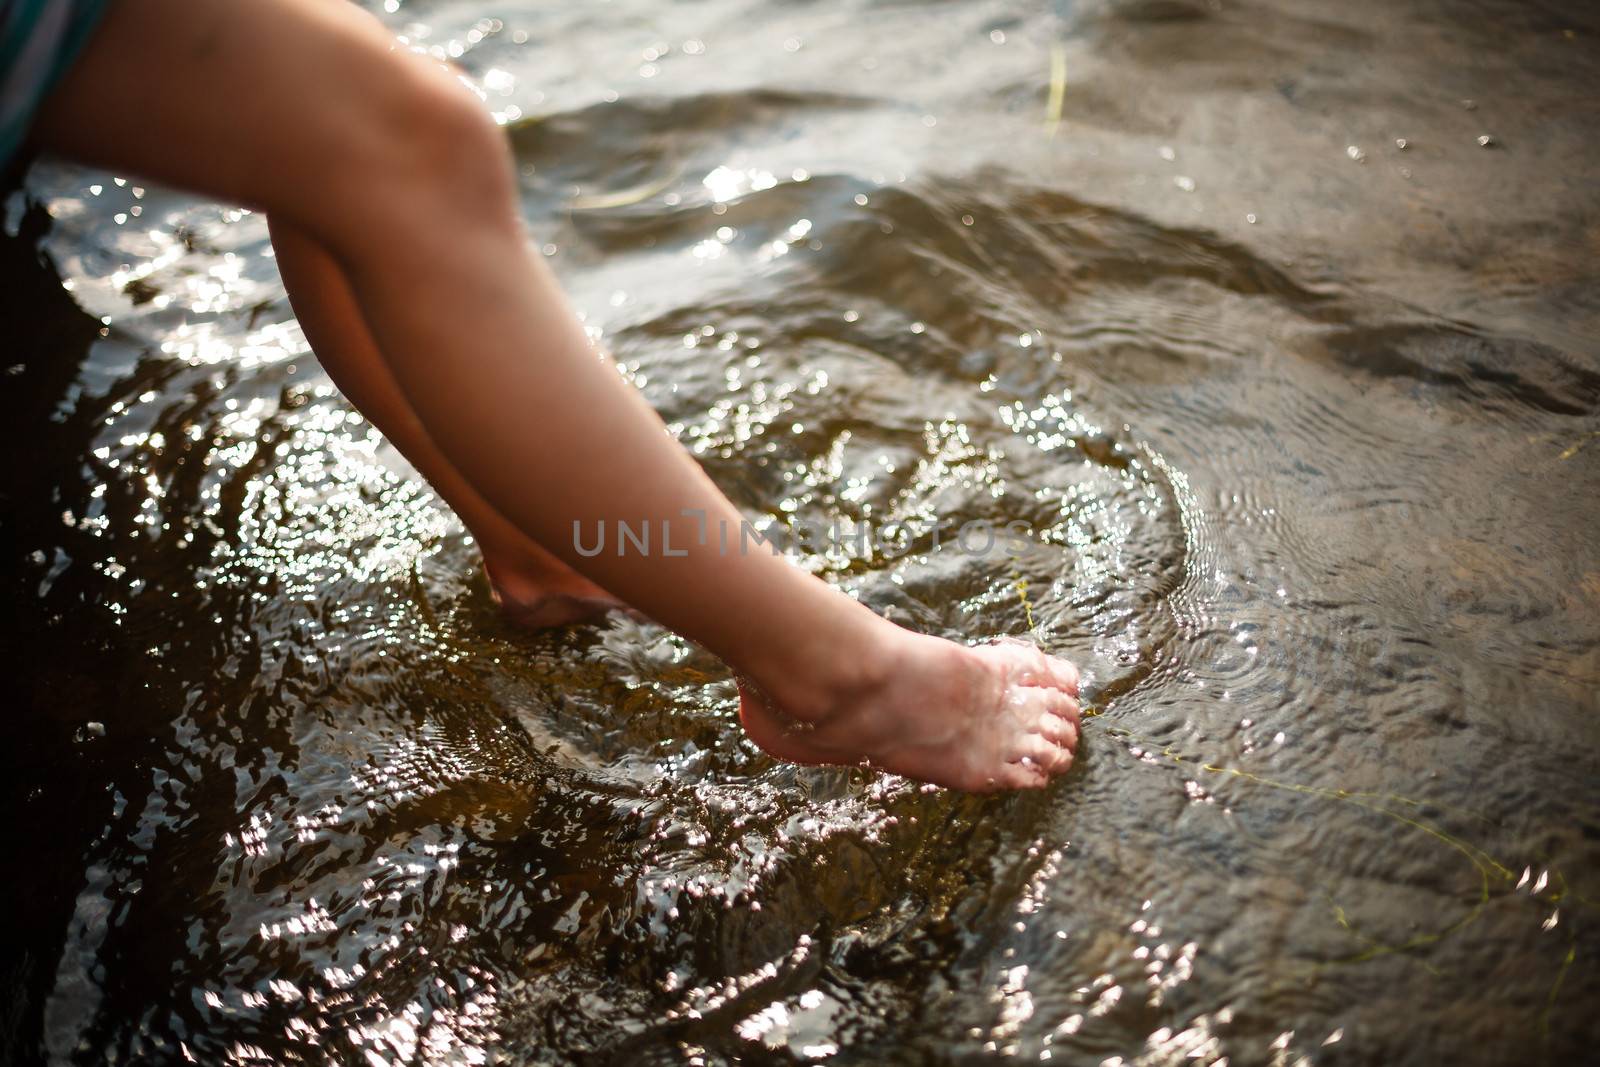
(1304, 423)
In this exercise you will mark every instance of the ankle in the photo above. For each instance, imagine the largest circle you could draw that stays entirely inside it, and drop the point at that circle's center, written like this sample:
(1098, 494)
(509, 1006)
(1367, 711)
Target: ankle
(836, 673)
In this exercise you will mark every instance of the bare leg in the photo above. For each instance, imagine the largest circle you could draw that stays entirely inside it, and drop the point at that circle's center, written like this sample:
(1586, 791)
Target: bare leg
(533, 587)
(385, 161)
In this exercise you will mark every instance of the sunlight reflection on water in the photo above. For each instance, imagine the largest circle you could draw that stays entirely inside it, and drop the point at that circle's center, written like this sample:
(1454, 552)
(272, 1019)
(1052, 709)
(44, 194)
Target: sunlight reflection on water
(353, 814)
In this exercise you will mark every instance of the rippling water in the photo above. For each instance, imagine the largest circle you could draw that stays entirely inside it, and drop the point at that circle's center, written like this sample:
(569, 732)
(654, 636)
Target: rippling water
(1304, 422)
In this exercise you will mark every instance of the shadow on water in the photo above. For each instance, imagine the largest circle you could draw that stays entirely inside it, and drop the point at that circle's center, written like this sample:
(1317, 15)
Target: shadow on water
(284, 788)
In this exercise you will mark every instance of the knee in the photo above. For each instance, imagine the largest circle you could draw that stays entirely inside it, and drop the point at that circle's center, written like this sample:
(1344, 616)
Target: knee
(438, 141)
(416, 144)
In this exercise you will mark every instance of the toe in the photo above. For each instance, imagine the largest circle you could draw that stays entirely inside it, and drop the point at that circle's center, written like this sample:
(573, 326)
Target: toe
(1062, 673)
(1044, 754)
(1022, 660)
(1063, 706)
(1021, 775)
(1059, 730)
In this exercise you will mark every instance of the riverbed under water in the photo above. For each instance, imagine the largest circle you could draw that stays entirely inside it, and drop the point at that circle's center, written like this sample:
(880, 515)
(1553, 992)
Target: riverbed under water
(1304, 422)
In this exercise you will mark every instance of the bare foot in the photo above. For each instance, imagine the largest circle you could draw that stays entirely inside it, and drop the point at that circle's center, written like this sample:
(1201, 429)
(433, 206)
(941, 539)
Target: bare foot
(539, 592)
(998, 716)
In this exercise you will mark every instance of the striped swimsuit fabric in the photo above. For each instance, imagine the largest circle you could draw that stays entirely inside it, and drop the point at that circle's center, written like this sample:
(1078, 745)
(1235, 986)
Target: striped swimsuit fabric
(39, 39)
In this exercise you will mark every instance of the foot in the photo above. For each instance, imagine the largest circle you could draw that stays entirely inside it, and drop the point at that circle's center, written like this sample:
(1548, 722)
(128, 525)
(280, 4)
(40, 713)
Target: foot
(544, 593)
(998, 716)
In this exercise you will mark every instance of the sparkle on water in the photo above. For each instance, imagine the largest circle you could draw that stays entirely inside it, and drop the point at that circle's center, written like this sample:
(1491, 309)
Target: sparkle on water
(342, 813)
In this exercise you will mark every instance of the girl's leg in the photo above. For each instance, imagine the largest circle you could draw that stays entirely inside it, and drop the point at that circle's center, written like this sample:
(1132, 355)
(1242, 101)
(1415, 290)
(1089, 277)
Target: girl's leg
(533, 587)
(310, 111)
